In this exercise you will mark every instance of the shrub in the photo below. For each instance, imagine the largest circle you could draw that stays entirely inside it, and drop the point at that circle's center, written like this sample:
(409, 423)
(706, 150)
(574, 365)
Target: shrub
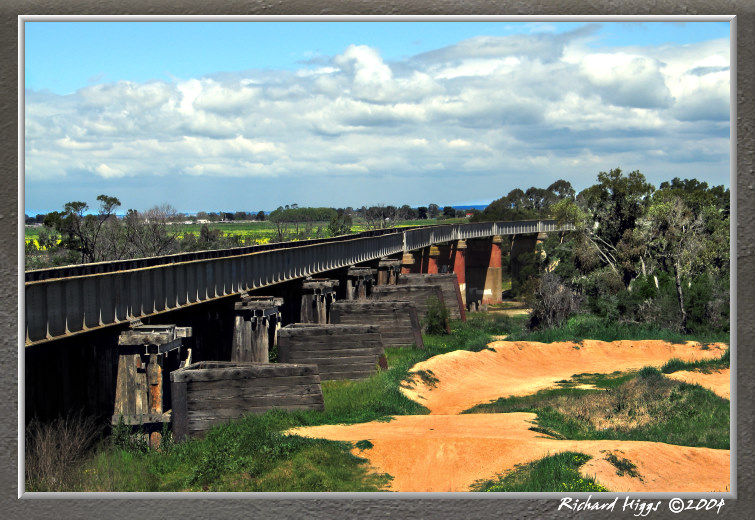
(436, 320)
(54, 451)
(124, 438)
(552, 302)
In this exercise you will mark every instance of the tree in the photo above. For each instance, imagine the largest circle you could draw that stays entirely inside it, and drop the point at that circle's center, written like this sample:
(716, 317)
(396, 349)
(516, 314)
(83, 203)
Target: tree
(433, 211)
(673, 235)
(340, 224)
(562, 189)
(552, 302)
(686, 233)
(406, 212)
(380, 216)
(616, 203)
(261, 216)
(612, 209)
(449, 212)
(538, 199)
(422, 213)
(150, 233)
(81, 231)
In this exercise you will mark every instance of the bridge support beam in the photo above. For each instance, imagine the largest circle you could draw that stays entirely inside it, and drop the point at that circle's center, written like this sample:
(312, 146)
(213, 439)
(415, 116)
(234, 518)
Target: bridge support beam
(257, 319)
(432, 260)
(460, 268)
(359, 282)
(407, 263)
(142, 394)
(494, 278)
(317, 295)
(388, 270)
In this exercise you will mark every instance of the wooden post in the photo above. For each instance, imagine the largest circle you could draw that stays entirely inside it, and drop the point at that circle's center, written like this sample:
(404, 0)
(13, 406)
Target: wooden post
(315, 293)
(139, 398)
(255, 315)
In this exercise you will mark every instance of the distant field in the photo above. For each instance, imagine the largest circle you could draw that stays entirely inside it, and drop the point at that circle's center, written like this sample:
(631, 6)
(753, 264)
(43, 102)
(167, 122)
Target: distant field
(262, 232)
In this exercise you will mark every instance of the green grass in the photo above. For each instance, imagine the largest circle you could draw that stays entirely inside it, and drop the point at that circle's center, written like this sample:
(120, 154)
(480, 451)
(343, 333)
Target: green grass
(262, 231)
(554, 473)
(583, 326)
(705, 366)
(623, 466)
(250, 454)
(635, 406)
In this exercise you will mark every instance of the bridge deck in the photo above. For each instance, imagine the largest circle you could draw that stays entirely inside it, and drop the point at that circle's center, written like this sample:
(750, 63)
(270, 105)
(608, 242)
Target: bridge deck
(74, 299)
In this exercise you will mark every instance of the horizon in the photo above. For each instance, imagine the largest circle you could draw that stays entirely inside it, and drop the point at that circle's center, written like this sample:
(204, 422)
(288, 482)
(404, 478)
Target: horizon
(256, 115)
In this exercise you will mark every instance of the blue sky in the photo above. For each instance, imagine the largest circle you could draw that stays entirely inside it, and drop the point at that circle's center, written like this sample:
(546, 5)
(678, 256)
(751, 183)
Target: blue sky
(253, 115)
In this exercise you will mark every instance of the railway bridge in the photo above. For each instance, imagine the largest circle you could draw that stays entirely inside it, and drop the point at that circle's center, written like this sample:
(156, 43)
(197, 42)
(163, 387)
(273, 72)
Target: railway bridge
(73, 315)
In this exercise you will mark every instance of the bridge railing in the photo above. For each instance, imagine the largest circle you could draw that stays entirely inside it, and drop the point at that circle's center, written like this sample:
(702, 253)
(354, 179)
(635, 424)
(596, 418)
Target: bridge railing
(57, 307)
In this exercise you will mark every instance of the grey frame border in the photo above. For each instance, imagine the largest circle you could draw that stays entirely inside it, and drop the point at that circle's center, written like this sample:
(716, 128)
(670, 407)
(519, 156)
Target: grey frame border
(343, 504)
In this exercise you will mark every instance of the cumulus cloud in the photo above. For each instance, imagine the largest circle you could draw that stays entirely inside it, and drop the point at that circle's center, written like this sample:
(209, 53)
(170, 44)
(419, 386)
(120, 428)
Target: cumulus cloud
(517, 105)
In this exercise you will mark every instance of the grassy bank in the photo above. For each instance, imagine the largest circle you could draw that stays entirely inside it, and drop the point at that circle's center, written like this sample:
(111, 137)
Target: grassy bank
(555, 473)
(637, 406)
(252, 454)
(585, 326)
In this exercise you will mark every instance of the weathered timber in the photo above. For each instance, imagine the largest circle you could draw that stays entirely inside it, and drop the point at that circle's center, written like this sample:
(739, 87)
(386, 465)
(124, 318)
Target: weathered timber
(419, 295)
(388, 270)
(255, 322)
(359, 281)
(340, 351)
(317, 295)
(142, 393)
(397, 321)
(449, 284)
(209, 393)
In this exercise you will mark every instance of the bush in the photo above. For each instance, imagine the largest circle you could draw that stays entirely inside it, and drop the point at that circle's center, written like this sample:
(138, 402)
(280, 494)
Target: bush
(436, 320)
(55, 450)
(124, 438)
(552, 302)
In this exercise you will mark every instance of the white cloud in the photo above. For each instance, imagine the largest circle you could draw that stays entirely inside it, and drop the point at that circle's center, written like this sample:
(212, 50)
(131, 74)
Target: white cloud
(506, 108)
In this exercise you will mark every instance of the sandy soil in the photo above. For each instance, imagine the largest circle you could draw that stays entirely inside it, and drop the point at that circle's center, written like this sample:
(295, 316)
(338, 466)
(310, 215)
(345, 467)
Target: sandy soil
(719, 382)
(451, 452)
(511, 312)
(447, 452)
(523, 368)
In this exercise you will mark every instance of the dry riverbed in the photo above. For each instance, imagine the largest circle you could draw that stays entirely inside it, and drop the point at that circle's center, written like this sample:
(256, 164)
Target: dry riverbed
(445, 451)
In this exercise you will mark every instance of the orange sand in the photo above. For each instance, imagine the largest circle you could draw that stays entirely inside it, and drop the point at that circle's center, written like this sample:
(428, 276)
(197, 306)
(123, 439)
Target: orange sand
(718, 382)
(451, 452)
(523, 368)
(445, 452)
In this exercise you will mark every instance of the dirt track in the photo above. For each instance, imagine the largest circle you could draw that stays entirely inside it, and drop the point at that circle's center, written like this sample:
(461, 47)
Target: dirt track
(447, 452)
(719, 382)
(523, 368)
(450, 452)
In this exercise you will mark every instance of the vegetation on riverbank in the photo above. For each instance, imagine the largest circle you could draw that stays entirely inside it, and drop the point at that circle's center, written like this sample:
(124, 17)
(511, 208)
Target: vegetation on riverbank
(253, 454)
(642, 405)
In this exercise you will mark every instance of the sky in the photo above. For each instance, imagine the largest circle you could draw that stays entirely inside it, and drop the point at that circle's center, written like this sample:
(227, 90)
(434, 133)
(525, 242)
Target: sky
(252, 115)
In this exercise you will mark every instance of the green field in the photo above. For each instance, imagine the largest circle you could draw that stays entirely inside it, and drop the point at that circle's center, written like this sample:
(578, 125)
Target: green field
(262, 232)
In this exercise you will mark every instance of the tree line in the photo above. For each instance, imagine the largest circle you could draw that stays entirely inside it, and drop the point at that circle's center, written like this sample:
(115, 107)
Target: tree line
(80, 234)
(76, 235)
(637, 254)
